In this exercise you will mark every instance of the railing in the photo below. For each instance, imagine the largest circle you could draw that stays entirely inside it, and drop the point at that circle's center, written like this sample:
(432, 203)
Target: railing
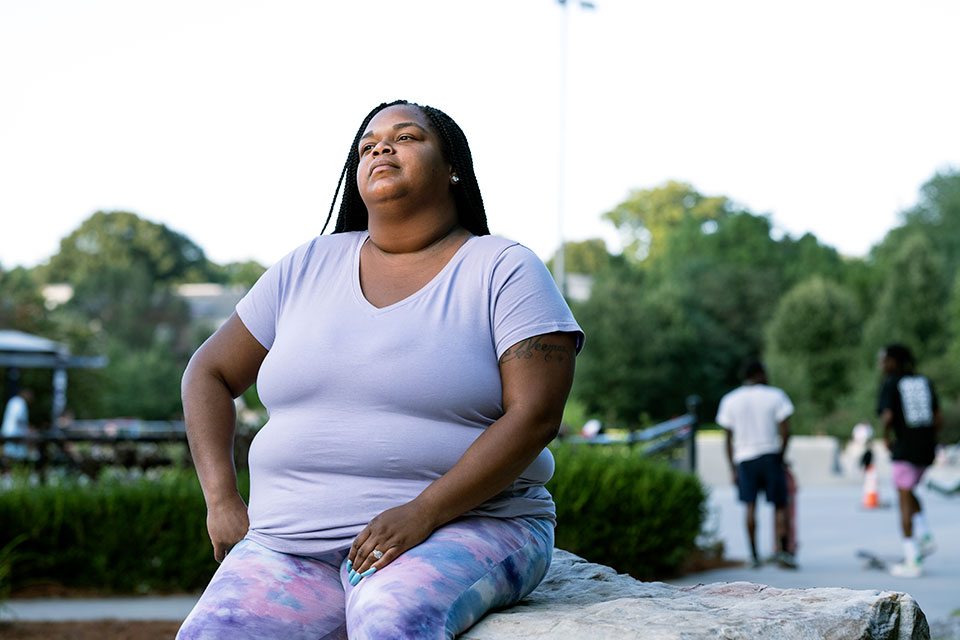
(660, 438)
(114, 441)
(107, 431)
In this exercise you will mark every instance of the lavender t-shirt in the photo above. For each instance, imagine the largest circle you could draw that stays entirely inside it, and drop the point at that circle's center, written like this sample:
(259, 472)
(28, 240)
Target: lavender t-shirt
(368, 406)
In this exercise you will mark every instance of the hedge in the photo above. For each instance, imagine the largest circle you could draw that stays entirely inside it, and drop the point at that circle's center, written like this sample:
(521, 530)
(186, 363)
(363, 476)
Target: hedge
(118, 534)
(637, 515)
(148, 534)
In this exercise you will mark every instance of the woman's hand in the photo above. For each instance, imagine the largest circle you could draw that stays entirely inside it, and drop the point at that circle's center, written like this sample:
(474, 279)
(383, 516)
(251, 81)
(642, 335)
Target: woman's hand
(390, 533)
(227, 524)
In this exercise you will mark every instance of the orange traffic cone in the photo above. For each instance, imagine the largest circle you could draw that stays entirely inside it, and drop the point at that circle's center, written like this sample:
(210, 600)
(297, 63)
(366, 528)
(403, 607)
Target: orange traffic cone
(871, 499)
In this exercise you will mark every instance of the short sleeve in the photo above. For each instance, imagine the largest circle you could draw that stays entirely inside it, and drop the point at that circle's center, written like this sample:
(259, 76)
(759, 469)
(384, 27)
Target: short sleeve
(934, 402)
(259, 309)
(525, 302)
(724, 419)
(886, 399)
(784, 407)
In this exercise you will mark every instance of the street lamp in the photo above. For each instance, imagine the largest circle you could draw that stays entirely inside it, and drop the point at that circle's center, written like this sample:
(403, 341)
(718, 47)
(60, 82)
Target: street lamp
(559, 265)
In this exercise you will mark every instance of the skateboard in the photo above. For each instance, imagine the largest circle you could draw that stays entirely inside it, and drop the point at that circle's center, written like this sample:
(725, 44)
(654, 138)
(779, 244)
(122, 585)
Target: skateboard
(872, 560)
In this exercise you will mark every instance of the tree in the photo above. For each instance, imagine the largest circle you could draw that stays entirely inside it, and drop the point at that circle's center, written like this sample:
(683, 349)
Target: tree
(21, 302)
(722, 269)
(805, 257)
(238, 273)
(586, 256)
(122, 269)
(115, 241)
(936, 216)
(648, 216)
(733, 304)
(812, 343)
(635, 345)
(653, 341)
(909, 307)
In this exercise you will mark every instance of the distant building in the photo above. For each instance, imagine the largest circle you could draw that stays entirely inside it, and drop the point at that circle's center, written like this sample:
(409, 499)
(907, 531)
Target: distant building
(55, 295)
(579, 286)
(210, 303)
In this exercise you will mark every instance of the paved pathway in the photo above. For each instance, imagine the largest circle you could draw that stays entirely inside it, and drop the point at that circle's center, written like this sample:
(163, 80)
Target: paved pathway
(832, 527)
(132, 608)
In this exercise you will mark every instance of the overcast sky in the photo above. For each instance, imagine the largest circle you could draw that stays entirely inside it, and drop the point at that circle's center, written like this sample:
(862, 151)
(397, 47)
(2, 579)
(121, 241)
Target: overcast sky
(229, 121)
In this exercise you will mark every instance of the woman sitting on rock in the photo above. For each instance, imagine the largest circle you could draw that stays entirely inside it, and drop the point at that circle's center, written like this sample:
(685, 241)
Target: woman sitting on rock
(414, 368)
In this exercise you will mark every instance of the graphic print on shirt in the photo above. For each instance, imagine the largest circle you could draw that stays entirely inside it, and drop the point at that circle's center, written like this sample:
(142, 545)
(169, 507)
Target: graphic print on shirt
(917, 401)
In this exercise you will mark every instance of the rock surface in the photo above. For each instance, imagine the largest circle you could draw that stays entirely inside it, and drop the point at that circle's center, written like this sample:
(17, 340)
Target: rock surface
(579, 599)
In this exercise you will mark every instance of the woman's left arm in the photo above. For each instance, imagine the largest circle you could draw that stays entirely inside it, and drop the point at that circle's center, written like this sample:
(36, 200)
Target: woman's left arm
(536, 375)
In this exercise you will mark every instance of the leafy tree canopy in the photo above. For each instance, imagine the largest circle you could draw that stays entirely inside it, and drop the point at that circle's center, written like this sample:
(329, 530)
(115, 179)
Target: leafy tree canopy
(21, 304)
(935, 216)
(119, 241)
(647, 216)
(640, 344)
(586, 256)
(909, 307)
(813, 338)
(238, 273)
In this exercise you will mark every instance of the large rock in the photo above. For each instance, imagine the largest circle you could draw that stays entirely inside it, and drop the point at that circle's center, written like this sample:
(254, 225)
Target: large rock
(579, 599)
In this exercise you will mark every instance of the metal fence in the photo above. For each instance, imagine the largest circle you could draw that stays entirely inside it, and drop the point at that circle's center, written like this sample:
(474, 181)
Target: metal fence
(660, 439)
(107, 431)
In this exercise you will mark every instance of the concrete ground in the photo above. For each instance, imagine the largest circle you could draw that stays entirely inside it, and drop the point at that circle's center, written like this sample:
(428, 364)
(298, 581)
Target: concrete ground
(132, 608)
(832, 526)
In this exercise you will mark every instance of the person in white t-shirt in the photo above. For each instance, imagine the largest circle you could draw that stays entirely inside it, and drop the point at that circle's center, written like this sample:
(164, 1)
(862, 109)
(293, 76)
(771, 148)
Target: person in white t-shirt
(756, 418)
(16, 422)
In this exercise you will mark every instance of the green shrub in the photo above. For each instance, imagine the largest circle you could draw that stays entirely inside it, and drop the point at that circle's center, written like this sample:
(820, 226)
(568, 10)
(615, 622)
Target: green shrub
(7, 557)
(634, 514)
(117, 534)
(148, 534)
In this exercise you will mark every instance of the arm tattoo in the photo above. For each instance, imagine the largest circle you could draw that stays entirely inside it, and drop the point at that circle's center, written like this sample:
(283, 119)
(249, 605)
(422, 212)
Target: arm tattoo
(524, 350)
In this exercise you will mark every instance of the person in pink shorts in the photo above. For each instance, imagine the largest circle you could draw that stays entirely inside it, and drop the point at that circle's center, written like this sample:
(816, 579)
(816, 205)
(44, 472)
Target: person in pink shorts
(911, 419)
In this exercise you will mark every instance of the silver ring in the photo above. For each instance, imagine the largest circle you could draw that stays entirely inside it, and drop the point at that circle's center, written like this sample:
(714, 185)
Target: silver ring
(376, 553)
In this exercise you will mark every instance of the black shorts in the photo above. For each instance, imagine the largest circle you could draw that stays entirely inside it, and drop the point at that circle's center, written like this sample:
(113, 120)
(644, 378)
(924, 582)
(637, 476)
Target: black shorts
(765, 472)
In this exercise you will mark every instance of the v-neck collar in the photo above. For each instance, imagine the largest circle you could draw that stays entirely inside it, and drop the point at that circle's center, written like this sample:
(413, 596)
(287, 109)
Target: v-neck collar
(358, 290)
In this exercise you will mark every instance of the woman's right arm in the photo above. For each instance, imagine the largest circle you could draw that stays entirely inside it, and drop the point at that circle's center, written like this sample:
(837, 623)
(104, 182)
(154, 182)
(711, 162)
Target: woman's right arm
(222, 368)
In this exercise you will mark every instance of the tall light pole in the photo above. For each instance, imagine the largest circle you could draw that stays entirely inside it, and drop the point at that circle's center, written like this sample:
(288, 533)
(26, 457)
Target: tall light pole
(559, 264)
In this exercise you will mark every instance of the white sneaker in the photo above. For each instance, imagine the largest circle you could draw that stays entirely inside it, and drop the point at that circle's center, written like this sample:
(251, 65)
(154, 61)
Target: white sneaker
(907, 569)
(926, 546)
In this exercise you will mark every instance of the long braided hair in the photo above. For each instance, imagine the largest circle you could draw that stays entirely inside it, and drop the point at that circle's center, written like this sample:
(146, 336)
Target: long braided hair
(456, 151)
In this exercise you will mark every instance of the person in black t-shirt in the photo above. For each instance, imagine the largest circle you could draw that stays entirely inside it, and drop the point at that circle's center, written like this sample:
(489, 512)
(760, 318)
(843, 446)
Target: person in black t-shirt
(911, 419)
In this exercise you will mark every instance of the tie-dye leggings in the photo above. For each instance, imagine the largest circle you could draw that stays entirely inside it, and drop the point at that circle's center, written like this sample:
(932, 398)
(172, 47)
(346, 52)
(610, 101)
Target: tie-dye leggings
(438, 589)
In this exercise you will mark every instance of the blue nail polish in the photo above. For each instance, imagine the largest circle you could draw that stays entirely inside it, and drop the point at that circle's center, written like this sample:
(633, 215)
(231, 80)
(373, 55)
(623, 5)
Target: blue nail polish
(368, 572)
(349, 565)
(355, 579)
(351, 574)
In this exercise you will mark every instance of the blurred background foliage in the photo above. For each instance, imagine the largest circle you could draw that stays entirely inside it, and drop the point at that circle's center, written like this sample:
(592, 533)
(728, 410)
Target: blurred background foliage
(701, 284)
(123, 272)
